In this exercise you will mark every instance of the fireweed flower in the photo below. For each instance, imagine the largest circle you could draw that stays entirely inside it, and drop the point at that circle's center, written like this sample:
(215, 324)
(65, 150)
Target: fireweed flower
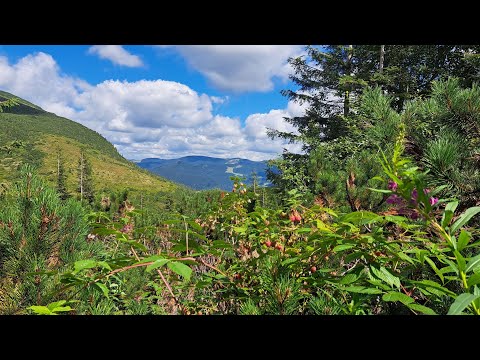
(414, 194)
(414, 215)
(394, 199)
(392, 185)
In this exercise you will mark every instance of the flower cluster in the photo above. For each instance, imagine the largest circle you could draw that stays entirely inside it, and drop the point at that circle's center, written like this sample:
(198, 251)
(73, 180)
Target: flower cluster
(407, 208)
(127, 229)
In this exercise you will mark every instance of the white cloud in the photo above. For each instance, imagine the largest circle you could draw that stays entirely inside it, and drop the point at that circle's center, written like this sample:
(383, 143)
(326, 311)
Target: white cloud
(241, 68)
(116, 54)
(37, 78)
(147, 118)
(145, 104)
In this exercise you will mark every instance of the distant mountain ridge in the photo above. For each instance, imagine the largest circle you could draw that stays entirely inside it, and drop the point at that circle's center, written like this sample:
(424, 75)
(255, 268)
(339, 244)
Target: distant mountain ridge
(204, 172)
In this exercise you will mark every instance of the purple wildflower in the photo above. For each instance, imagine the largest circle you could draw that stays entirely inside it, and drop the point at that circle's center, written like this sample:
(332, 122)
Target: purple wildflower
(433, 201)
(426, 191)
(394, 199)
(414, 194)
(392, 185)
(414, 215)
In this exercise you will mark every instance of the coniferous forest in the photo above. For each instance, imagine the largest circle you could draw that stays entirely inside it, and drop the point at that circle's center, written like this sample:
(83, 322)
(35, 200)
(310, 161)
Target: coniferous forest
(378, 216)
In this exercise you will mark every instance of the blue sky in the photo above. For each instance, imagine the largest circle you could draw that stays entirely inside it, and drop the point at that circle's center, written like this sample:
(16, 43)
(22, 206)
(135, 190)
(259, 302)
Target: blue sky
(162, 101)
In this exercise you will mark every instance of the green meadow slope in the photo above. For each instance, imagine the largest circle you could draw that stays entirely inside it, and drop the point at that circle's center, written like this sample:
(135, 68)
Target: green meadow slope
(28, 134)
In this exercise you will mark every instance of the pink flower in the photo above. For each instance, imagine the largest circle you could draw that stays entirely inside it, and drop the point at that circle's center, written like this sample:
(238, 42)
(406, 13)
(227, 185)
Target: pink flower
(127, 229)
(433, 201)
(392, 185)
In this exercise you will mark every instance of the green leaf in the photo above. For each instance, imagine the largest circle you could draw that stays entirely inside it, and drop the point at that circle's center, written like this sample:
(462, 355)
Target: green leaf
(379, 284)
(395, 218)
(343, 247)
(194, 225)
(289, 261)
(423, 309)
(321, 226)
(360, 217)
(102, 288)
(158, 263)
(463, 239)
(464, 218)
(55, 304)
(434, 267)
(473, 280)
(348, 279)
(181, 269)
(104, 265)
(179, 247)
(473, 264)
(62, 309)
(460, 261)
(174, 221)
(40, 310)
(453, 266)
(433, 287)
(84, 264)
(448, 269)
(151, 258)
(362, 290)
(304, 230)
(385, 275)
(381, 190)
(220, 244)
(462, 301)
(240, 229)
(405, 257)
(448, 213)
(397, 296)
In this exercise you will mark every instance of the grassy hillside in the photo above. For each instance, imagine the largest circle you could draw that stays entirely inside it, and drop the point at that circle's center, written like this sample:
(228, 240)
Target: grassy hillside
(29, 134)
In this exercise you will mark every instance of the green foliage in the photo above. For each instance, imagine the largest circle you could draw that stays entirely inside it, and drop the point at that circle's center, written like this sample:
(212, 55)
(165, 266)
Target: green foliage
(51, 309)
(39, 236)
(61, 179)
(379, 216)
(444, 135)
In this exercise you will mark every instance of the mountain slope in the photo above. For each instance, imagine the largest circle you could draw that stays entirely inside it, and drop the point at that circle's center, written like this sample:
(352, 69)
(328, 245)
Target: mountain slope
(28, 134)
(203, 172)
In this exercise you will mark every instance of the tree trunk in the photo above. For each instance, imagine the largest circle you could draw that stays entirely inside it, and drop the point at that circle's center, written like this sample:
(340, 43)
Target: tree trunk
(382, 56)
(81, 176)
(346, 104)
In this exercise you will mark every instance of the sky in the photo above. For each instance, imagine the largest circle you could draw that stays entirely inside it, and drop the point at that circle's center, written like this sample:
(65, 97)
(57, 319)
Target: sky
(163, 101)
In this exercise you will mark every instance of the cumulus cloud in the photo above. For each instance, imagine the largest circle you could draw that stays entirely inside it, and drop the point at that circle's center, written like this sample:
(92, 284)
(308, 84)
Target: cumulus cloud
(147, 118)
(116, 54)
(145, 104)
(241, 68)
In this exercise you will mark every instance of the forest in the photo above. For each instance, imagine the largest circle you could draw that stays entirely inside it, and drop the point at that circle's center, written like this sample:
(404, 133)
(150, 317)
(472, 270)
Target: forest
(378, 216)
